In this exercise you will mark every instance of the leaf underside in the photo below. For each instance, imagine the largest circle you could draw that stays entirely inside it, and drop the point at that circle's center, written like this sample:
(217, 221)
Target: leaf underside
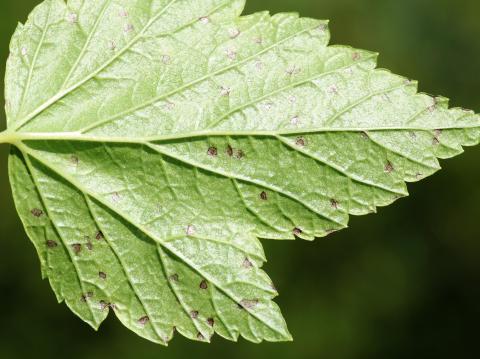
(158, 140)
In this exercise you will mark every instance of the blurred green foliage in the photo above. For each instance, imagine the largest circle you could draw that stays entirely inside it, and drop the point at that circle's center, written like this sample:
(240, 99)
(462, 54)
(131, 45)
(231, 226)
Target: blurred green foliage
(401, 284)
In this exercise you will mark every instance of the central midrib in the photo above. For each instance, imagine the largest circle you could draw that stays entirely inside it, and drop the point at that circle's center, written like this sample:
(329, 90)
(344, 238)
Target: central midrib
(18, 137)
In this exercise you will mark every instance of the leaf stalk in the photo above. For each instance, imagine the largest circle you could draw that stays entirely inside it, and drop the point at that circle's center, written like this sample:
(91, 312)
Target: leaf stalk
(6, 137)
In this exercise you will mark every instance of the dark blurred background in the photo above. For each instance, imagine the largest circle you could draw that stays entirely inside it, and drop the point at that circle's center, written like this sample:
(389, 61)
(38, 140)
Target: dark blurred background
(401, 284)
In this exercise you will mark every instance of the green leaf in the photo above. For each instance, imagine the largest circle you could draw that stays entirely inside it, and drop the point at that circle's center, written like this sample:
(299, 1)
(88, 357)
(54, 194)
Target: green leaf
(156, 141)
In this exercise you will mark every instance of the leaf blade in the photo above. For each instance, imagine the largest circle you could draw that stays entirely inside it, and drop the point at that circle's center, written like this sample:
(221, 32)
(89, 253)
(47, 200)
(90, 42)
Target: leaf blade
(181, 132)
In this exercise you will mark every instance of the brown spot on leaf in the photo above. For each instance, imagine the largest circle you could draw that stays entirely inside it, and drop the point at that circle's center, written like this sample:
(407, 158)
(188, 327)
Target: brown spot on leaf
(102, 275)
(77, 248)
(322, 27)
(203, 284)
(247, 263)
(204, 20)
(263, 196)
(72, 18)
(436, 137)
(86, 296)
(174, 277)
(356, 56)
(334, 203)
(249, 303)
(268, 106)
(104, 305)
(99, 236)
(190, 230)
(36, 212)
(143, 320)
(212, 151)
(166, 59)
(194, 314)
(333, 90)
(225, 91)
(389, 167)
(293, 70)
(169, 106)
(364, 135)
(200, 336)
(297, 231)
(128, 28)
(234, 33)
(89, 245)
(231, 54)
(229, 151)
(74, 160)
(239, 154)
(51, 244)
(116, 197)
(211, 321)
(300, 141)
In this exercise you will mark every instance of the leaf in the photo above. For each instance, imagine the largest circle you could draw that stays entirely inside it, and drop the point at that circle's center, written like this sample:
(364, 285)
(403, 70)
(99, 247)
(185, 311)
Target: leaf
(156, 141)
